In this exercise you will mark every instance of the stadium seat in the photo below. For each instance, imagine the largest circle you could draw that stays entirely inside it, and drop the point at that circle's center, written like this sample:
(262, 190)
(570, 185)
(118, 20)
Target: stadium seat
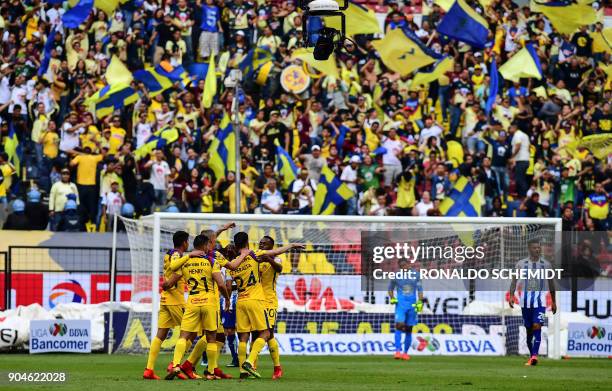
(304, 265)
(321, 264)
(354, 259)
(286, 262)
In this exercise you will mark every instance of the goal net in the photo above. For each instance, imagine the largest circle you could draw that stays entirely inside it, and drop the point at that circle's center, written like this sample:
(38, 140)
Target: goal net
(327, 290)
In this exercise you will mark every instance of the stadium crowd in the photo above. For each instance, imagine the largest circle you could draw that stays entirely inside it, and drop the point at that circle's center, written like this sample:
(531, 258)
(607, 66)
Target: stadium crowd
(403, 146)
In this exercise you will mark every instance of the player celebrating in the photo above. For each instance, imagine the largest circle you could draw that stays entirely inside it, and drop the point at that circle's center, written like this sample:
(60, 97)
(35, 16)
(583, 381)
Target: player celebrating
(250, 315)
(200, 347)
(269, 271)
(172, 301)
(533, 298)
(202, 308)
(406, 308)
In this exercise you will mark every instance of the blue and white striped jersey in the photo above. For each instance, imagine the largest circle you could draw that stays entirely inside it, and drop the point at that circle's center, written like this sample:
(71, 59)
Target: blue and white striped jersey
(532, 291)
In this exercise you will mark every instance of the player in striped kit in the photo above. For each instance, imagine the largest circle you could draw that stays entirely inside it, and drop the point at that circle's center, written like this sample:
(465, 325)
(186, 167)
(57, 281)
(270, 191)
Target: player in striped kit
(533, 298)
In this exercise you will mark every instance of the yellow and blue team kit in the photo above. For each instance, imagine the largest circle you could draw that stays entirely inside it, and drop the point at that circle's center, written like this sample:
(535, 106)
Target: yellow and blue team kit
(172, 301)
(251, 302)
(202, 306)
(268, 276)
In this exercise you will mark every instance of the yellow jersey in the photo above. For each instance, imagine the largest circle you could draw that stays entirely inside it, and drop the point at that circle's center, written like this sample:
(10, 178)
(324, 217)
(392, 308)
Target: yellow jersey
(268, 278)
(247, 278)
(174, 295)
(198, 274)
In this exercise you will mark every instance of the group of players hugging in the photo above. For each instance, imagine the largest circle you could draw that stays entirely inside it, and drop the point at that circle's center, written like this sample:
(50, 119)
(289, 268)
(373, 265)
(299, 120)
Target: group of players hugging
(234, 284)
(233, 289)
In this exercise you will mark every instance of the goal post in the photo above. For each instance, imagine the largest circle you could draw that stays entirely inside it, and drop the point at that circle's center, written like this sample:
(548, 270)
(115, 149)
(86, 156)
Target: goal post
(321, 288)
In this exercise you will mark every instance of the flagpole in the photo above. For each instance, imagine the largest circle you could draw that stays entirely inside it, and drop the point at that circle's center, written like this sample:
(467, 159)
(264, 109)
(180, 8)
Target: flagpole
(236, 126)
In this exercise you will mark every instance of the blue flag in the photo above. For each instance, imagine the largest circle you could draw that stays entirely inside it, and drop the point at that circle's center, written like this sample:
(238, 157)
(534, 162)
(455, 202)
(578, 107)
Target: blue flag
(46, 56)
(77, 14)
(464, 24)
(493, 87)
(197, 70)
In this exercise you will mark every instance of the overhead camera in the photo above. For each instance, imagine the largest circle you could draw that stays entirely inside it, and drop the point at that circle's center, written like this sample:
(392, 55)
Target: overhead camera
(329, 39)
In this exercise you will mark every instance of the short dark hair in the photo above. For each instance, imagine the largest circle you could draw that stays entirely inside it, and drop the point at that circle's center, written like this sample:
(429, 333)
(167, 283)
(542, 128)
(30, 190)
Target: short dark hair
(200, 241)
(268, 238)
(241, 240)
(533, 241)
(179, 238)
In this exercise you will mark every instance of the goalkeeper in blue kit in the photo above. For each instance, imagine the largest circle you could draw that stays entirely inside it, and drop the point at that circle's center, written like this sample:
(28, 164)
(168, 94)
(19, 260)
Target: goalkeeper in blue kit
(407, 306)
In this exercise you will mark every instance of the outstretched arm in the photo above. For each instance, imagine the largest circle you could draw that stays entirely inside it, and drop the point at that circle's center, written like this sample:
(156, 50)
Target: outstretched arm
(238, 260)
(280, 250)
(225, 228)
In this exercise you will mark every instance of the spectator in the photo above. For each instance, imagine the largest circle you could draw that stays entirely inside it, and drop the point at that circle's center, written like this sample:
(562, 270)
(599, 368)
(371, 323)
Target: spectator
(520, 156)
(271, 199)
(59, 196)
(86, 164)
(160, 172)
(112, 202)
(349, 176)
(424, 205)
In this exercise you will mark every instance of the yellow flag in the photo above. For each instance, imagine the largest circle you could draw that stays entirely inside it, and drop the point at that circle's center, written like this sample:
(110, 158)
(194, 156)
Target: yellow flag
(566, 18)
(358, 20)
(117, 72)
(403, 52)
(210, 84)
(439, 69)
(108, 6)
(328, 66)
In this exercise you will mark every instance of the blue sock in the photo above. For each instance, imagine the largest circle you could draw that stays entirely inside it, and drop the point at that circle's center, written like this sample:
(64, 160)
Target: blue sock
(537, 338)
(407, 341)
(530, 341)
(398, 340)
(231, 341)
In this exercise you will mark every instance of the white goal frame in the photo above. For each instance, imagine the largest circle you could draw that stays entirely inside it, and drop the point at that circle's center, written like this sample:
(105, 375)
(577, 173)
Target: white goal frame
(157, 217)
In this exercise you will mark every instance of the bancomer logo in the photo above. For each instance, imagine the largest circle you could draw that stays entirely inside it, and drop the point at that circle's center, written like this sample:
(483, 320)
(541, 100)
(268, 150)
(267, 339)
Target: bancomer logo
(298, 345)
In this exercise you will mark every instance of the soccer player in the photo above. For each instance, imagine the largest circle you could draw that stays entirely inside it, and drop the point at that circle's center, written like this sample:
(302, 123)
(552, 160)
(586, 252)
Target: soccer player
(533, 298)
(172, 301)
(200, 347)
(406, 309)
(202, 308)
(250, 306)
(269, 271)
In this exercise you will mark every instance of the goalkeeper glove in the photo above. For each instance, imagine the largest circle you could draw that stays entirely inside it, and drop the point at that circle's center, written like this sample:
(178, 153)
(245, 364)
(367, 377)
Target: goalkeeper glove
(418, 306)
(393, 300)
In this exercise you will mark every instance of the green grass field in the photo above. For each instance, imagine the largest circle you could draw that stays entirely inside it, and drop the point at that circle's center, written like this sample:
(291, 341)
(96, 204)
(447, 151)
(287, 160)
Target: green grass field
(123, 372)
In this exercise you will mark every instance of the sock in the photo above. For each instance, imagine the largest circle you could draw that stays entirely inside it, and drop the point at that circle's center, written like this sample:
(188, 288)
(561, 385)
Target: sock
(179, 351)
(154, 352)
(197, 351)
(530, 341)
(231, 342)
(398, 340)
(255, 349)
(188, 346)
(273, 347)
(537, 337)
(407, 341)
(242, 348)
(211, 352)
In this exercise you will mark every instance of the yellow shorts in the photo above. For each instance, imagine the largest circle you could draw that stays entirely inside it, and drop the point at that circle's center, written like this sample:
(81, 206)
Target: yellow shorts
(200, 318)
(250, 316)
(169, 316)
(270, 316)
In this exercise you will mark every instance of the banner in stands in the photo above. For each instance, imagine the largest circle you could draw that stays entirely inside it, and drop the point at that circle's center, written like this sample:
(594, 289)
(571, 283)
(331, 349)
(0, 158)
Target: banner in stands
(589, 339)
(60, 335)
(382, 344)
